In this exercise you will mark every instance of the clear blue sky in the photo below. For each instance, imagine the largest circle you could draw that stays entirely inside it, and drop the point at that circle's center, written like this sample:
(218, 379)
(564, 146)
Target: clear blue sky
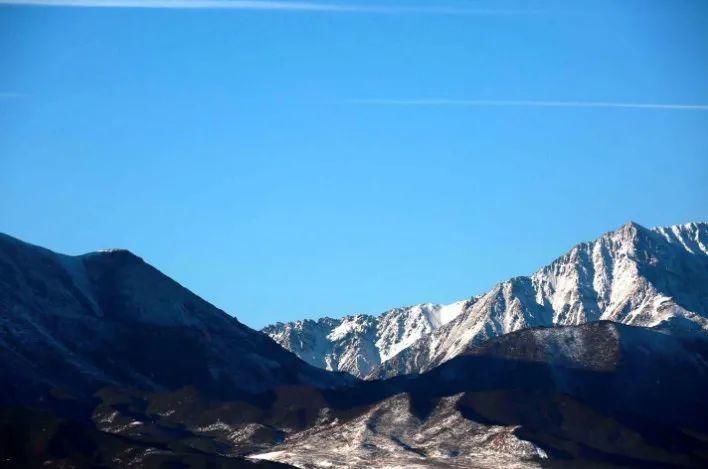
(236, 149)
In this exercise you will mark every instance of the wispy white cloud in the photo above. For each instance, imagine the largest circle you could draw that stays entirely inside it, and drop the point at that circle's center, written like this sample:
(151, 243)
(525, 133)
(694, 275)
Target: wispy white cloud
(528, 103)
(274, 5)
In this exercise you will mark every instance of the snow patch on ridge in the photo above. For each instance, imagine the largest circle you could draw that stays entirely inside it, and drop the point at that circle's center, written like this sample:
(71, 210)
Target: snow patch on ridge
(621, 277)
(358, 344)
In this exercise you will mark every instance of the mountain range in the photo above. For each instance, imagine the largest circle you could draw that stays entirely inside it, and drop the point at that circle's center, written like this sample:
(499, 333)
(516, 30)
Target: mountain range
(358, 344)
(598, 360)
(634, 275)
(601, 394)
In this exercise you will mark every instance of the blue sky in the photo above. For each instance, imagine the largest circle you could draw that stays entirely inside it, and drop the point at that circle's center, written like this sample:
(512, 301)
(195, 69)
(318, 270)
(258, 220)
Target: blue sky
(286, 163)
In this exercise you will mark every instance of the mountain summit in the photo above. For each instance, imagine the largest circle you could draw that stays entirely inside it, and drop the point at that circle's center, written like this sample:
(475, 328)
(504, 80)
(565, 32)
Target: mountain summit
(71, 325)
(633, 275)
(110, 363)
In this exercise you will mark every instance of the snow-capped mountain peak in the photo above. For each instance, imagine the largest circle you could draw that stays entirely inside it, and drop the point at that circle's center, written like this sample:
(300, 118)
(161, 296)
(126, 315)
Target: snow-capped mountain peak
(633, 275)
(359, 343)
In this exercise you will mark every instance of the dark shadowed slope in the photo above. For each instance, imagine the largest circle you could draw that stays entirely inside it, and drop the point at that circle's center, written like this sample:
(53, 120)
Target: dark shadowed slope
(73, 324)
(598, 394)
(138, 371)
(110, 345)
(34, 438)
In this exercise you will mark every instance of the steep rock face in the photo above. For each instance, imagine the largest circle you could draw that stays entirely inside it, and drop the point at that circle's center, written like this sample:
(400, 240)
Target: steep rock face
(652, 278)
(72, 324)
(359, 343)
(180, 382)
(647, 277)
(597, 394)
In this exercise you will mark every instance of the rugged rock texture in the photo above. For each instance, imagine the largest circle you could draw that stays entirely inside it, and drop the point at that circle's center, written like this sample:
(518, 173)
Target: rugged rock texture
(358, 344)
(391, 434)
(595, 395)
(652, 278)
(108, 363)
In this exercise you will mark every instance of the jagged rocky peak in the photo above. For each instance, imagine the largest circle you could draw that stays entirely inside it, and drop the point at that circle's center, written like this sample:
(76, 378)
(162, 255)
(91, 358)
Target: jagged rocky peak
(359, 343)
(145, 359)
(634, 275)
(692, 236)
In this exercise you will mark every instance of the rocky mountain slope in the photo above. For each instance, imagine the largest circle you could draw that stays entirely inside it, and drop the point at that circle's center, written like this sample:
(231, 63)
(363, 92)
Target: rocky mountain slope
(107, 342)
(72, 323)
(359, 343)
(601, 394)
(31, 438)
(634, 275)
(109, 363)
(391, 434)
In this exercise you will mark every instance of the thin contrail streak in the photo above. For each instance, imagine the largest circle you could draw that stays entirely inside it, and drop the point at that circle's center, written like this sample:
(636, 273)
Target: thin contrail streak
(270, 5)
(528, 103)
